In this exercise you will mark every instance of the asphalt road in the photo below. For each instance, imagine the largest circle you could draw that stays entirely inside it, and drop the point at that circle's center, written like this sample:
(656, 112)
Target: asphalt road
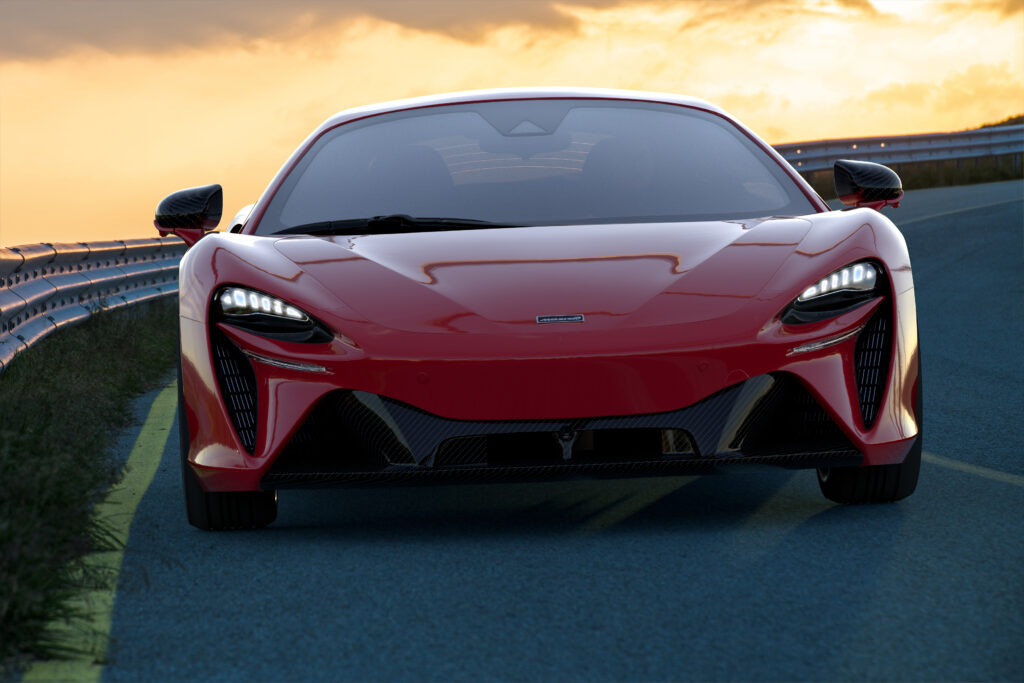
(751, 576)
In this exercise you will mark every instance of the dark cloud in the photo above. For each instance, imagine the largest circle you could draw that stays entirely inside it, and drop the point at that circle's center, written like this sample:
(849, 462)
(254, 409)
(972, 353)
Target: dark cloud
(32, 29)
(35, 29)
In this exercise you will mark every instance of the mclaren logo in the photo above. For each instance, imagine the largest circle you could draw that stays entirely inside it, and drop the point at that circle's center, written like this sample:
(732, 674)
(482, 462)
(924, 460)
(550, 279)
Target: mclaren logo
(572, 318)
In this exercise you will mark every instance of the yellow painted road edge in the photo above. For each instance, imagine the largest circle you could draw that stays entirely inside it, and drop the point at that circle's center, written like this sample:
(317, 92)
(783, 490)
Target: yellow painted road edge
(976, 470)
(88, 636)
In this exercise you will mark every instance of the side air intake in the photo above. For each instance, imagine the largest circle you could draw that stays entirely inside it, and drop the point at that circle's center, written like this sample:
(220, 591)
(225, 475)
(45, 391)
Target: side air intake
(238, 387)
(871, 360)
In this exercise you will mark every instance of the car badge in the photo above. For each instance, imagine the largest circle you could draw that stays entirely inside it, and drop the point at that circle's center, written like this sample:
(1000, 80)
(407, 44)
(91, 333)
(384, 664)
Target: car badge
(572, 318)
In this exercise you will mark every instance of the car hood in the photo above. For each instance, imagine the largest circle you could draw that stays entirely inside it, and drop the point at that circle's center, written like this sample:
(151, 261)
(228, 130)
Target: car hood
(614, 275)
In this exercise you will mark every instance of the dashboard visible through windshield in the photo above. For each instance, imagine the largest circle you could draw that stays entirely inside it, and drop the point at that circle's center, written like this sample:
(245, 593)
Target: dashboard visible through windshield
(532, 162)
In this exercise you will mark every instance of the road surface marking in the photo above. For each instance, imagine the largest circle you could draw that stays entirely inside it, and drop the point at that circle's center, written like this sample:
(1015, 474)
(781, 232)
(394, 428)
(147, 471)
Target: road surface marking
(995, 475)
(86, 637)
(956, 211)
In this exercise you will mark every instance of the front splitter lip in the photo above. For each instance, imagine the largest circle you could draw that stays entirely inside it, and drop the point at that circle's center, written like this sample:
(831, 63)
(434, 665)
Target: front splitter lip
(416, 475)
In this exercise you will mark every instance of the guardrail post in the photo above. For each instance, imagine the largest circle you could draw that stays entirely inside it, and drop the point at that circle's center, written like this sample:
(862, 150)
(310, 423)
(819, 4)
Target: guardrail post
(68, 279)
(10, 305)
(31, 324)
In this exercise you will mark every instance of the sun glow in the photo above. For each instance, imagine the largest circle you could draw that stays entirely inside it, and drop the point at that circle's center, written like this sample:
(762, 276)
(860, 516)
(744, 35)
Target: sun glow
(93, 136)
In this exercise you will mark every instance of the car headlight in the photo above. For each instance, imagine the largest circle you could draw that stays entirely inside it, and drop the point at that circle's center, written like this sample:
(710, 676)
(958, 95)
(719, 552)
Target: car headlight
(268, 316)
(839, 292)
(858, 277)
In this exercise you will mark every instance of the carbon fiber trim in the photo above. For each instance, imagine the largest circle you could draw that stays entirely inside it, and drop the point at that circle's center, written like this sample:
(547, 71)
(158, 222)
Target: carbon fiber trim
(354, 437)
(784, 418)
(398, 475)
(423, 432)
(344, 426)
(195, 207)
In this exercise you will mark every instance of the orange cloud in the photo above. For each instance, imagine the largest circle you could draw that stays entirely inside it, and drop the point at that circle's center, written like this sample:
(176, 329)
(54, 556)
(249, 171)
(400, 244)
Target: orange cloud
(1003, 7)
(92, 139)
(32, 29)
(981, 92)
(47, 28)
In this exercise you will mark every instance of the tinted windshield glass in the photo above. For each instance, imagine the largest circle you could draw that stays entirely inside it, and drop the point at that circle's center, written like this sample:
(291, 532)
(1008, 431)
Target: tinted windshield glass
(535, 162)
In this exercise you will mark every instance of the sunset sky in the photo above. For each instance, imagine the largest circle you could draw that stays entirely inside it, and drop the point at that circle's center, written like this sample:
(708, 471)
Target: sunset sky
(108, 105)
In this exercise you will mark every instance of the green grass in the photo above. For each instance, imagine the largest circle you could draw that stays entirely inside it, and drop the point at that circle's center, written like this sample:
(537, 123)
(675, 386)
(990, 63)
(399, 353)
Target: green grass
(61, 406)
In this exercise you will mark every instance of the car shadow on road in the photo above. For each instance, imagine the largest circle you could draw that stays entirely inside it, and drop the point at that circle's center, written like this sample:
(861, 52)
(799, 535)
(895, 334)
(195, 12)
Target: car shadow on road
(779, 499)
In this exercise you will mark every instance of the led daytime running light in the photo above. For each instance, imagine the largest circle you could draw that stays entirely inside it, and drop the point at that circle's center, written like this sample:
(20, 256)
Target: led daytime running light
(824, 343)
(240, 301)
(287, 364)
(858, 277)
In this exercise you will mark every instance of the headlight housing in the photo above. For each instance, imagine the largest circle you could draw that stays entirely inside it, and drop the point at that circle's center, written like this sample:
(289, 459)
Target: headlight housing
(268, 316)
(839, 292)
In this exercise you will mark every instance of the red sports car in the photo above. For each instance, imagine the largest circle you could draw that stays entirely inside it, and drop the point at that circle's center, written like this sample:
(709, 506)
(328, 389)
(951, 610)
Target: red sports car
(530, 284)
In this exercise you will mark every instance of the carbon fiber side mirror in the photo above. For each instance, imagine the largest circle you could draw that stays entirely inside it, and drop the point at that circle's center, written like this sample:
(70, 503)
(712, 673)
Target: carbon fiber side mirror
(190, 213)
(862, 183)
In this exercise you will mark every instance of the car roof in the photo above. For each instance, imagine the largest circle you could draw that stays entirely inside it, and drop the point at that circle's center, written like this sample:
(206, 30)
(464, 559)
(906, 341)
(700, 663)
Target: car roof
(516, 94)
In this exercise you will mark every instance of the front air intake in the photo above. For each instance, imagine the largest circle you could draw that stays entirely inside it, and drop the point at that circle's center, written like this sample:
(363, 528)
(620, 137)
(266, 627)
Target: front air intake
(871, 360)
(237, 386)
(786, 418)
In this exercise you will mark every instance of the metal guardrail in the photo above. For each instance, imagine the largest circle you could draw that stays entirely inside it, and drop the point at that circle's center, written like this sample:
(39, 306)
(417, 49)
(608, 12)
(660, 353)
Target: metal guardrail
(902, 149)
(45, 287)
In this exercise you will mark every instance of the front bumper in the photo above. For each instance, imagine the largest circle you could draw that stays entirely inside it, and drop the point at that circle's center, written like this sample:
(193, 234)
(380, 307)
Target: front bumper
(356, 438)
(392, 420)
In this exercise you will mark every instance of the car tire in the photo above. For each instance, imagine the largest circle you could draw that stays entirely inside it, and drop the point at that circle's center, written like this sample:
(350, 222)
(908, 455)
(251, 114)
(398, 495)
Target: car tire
(872, 484)
(877, 483)
(224, 510)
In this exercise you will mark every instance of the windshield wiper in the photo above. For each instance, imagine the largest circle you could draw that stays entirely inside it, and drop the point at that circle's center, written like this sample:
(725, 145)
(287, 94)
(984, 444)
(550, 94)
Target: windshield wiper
(393, 223)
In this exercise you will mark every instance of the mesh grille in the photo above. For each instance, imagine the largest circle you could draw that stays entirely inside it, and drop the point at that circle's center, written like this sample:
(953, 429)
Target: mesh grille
(871, 359)
(812, 419)
(238, 387)
(788, 419)
(342, 432)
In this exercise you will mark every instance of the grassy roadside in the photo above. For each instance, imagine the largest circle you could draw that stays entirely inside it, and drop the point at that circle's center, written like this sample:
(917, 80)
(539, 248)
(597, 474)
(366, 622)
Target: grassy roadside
(61, 404)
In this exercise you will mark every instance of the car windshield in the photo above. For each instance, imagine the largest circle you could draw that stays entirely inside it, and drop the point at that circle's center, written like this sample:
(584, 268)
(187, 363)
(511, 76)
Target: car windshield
(531, 162)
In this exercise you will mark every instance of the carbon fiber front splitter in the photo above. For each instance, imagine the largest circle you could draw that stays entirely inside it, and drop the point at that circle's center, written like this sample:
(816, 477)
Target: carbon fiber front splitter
(360, 440)
(411, 475)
